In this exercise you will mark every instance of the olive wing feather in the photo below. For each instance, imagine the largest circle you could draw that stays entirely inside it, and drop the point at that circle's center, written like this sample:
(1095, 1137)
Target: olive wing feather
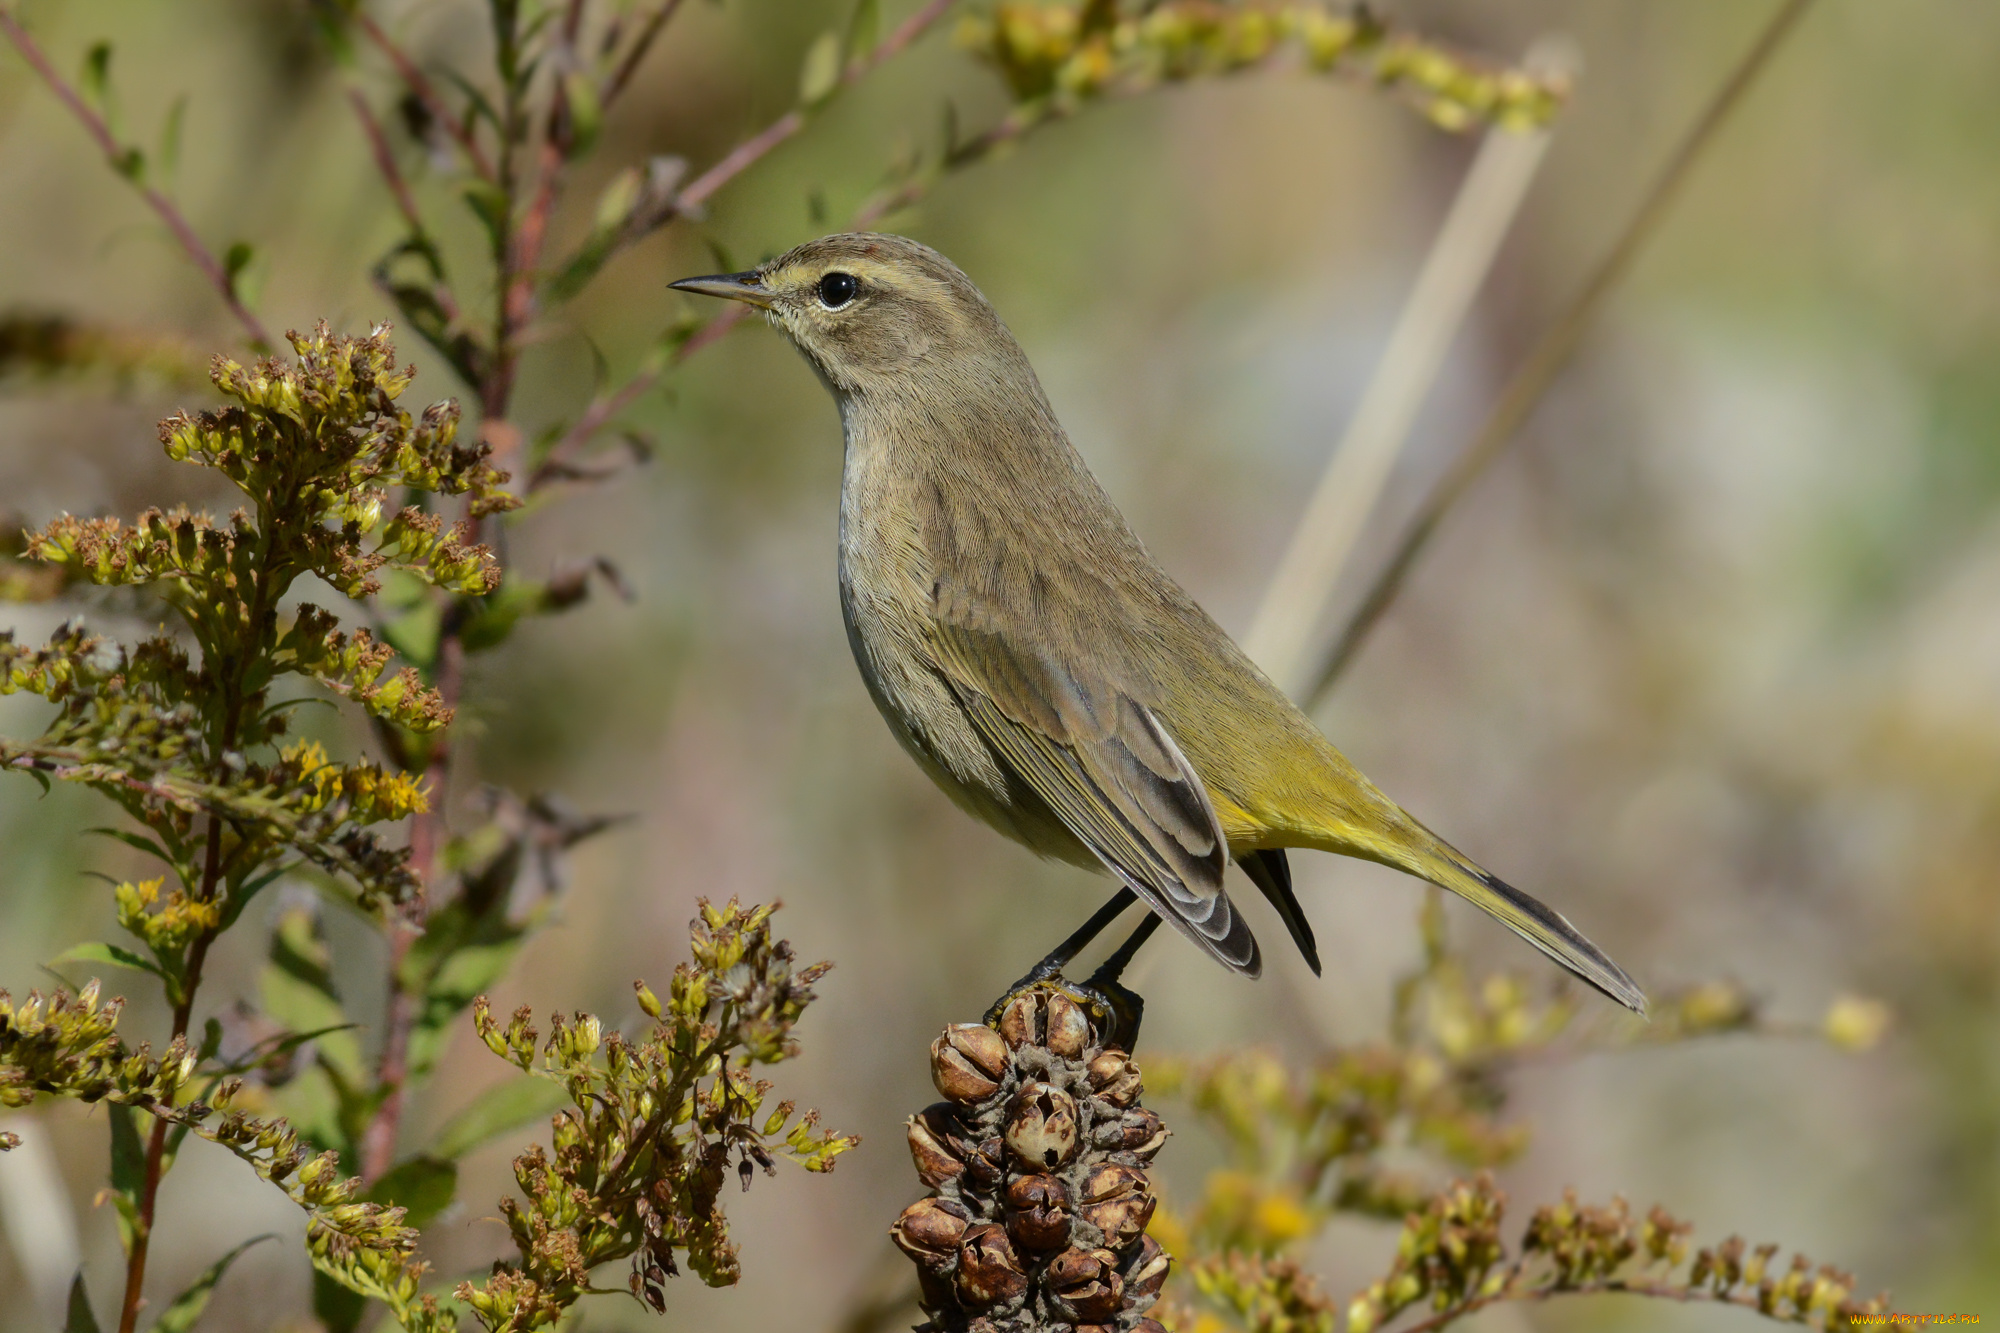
(1110, 771)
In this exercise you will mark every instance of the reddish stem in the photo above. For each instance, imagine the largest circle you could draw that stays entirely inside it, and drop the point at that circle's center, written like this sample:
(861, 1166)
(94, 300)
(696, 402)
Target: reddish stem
(378, 1140)
(640, 46)
(385, 162)
(426, 92)
(115, 153)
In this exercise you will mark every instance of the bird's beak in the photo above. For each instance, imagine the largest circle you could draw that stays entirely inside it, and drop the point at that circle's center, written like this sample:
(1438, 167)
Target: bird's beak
(746, 287)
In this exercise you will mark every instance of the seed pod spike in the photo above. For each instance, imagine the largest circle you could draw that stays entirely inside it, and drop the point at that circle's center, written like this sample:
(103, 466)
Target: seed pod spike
(1037, 1163)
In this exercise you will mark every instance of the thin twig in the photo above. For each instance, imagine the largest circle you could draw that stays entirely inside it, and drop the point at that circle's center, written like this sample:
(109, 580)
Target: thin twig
(426, 92)
(635, 55)
(1524, 391)
(115, 154)
(751, 150)
(385, 162)
(1658, 1290)
(601, 412)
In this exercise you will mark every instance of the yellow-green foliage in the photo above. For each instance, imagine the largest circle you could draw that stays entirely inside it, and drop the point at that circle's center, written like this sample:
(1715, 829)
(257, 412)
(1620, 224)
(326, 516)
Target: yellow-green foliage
(1071, 52)
(641, 1155)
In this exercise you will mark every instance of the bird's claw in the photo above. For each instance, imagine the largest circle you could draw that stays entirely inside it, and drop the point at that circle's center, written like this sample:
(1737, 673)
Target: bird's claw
(1115, 1010)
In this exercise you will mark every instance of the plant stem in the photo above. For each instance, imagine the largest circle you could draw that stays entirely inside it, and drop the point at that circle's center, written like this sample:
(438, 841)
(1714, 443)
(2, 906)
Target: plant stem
(640, 46)
(251, 647)
(378, 1140)
(1658, 1290)
(759, 145)
(426, 93)
(1525, 390)
(117, 155)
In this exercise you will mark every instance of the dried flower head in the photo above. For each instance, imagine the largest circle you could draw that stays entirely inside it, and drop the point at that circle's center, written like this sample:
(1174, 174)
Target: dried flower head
(1038, 1162)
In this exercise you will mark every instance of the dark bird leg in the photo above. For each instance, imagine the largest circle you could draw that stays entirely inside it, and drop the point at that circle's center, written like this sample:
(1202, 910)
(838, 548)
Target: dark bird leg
(1051, 967)
(1124, 1006)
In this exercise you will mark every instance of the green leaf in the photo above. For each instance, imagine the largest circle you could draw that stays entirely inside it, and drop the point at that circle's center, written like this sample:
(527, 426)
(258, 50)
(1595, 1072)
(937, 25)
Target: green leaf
(234, 261)
(586, 113)
(187, 1307)
(820, 74)
(96, 951)
(415, 634)
(128, 1151)
(79, 1319)
(423, 1186)
(311, 1105)
(240, 897)
(503, 1107)
(861, 29)
(290, 1041)
(128, 1171)
(170, 141)
(489, 204)
(97, 75)
(298, 990)
(139, 840)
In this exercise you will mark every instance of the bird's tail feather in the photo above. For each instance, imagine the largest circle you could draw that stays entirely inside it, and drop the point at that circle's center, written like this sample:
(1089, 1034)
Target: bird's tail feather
(1430, 857)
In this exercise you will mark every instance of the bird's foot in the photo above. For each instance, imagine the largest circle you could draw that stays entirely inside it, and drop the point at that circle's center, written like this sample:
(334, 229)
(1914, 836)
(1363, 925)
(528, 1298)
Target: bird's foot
(1114, 1010)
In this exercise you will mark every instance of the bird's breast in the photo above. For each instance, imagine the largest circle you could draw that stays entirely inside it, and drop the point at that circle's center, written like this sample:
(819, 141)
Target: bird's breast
(887, 578)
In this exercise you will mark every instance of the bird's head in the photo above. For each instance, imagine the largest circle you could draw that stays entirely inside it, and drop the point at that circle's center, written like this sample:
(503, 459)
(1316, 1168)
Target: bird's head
(872, 311)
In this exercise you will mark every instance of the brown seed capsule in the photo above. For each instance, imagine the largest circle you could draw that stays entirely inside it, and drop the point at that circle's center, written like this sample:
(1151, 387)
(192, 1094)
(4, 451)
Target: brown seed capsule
(1041, 1126)
(1149, 1326)
(986, 1165)
(1038, 1212)
(1115, 1078)
(929, 1231)
(981, 1045)
(1087, 1282)
(1021, 1020)
(1138, 1132)
(934, 1147)
(1117, 1200)
(1068, 1027)
(959, 1077)
(1148, 1273)
(988, 1272)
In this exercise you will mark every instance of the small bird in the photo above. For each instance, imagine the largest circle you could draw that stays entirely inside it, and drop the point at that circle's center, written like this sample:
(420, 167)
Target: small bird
(1032, 656)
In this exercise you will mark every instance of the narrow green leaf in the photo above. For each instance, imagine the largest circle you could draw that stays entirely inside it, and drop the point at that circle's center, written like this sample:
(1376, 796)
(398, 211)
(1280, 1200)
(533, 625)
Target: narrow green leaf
(128, 1151)
(79, 1319)
(128, 1171)
(423, 1187)
(490, 205)
(297, 989)
(234, 260)
(861, 29)
(501, 1108)
(240, 897)
(97, 74)
(586, 113)
(416, 633)
(820, 74)
(170, 141)
(139, 840)
(187, 1307)
(96, 951)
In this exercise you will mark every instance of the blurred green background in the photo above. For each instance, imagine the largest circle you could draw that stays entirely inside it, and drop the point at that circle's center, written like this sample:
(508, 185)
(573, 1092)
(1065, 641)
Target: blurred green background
(1711, 661)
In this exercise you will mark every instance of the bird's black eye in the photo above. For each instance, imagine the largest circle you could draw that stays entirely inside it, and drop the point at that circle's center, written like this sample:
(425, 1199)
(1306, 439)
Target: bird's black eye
(836, 290)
